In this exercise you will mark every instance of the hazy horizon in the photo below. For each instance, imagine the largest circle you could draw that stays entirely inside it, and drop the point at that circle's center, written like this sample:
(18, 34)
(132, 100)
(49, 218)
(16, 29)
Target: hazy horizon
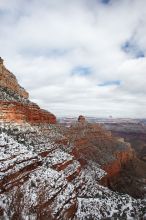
(92, 116)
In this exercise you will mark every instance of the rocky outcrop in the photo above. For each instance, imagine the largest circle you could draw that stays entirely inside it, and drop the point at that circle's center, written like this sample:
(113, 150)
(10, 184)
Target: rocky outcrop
(21, 113)
(81, 119)
(93, 142)
(114, 168)
(14, 103)
(9, 81)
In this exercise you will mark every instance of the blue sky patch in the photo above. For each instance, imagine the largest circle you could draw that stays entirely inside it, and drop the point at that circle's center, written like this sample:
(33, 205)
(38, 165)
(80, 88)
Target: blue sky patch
(110, 83)
(131, 48)
(105, 1)
(3, 12)
(82, 70)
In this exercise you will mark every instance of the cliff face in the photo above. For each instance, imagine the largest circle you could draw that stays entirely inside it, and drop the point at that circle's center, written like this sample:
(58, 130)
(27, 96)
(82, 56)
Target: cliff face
(14, 103)
(124, 173)
(134, 133)
(93, 142)
(114, 167)
(20, 113)
(9, 81)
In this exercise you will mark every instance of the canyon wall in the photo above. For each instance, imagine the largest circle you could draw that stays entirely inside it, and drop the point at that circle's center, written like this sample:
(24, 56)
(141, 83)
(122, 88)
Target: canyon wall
(134, 133)
(14, 103)
(20, 113)
(9, 81)
(93, 142)
(114, 168)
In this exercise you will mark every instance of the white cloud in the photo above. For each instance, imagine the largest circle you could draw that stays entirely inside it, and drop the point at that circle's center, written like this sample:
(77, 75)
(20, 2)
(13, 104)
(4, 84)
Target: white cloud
(42, 42)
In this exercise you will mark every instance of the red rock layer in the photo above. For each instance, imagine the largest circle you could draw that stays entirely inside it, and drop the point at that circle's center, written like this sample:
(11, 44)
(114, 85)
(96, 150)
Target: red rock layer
(137, 140)
(20, 113)
(93, 142)
(114, 167)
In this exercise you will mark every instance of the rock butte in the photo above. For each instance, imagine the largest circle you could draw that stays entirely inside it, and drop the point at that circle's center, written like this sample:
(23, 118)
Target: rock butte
(81, 119)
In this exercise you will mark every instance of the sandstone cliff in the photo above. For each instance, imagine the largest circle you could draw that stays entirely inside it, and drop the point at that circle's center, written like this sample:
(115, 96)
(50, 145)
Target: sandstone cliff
(21, 113)
(9, 81)
(14, 103)
(135, 133)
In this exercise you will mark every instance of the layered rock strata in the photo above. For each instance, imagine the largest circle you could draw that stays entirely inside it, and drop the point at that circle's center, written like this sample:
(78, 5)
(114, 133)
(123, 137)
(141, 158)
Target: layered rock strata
(21, 113)
(14, 103)
(9, 81)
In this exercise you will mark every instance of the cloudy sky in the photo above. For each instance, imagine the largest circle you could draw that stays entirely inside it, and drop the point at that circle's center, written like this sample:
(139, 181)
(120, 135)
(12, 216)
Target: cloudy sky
(78, 56)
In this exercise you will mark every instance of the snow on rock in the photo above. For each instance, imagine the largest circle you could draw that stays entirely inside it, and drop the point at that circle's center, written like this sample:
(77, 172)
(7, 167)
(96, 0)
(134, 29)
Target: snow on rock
(58, 157)
(107, 205)
(37, 174)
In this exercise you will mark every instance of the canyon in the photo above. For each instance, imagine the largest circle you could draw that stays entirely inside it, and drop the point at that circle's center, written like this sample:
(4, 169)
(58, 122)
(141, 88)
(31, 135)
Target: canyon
(62, 172)
(134, 133)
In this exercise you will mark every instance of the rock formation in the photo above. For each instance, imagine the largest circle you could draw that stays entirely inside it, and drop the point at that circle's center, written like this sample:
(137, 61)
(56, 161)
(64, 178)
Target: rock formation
(93, 142)
(81, 119)
(9, 81)
(14, 103)
(20, 113)
(135, 133)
